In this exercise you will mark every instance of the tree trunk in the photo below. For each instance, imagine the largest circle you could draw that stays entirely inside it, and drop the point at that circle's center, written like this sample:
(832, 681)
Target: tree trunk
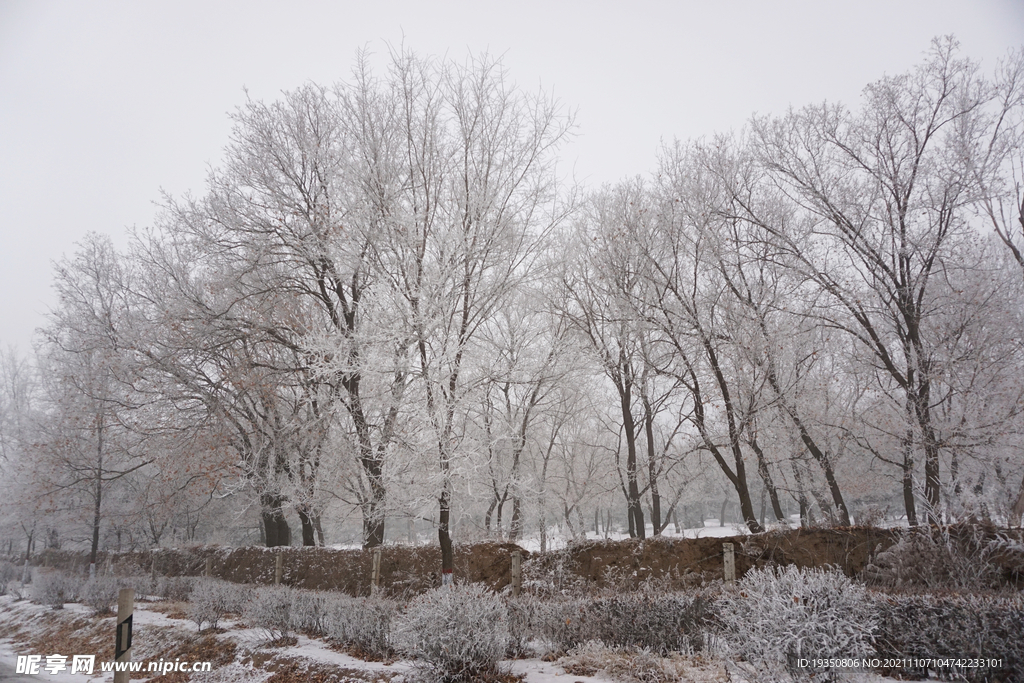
(652, 470)
(99, 493)
(487, 515)
(908, 479)
(308, 537)
(373, 509)
(769, 484)
(515, 527)
(635, 513)
(763, 505)
(444, 535)
(721, 515)
(319, 530)
(277, 529)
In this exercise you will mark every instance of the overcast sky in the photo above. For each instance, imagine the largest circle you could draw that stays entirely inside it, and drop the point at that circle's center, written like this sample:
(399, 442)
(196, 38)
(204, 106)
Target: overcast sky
(103, 105)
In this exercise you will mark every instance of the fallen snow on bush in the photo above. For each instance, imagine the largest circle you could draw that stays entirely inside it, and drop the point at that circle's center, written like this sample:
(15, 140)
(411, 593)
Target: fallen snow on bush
(457, 632)
(782, 619)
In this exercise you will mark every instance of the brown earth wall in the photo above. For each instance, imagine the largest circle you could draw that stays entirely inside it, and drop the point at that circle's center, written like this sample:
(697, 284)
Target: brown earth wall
(686, 561)
(409, 570)
(403, 569)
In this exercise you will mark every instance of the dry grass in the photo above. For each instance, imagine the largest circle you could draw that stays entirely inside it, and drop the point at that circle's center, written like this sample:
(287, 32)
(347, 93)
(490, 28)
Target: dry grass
(172, 610)
(641, 666)
(202, 648)
(292, 670)
(75, 635)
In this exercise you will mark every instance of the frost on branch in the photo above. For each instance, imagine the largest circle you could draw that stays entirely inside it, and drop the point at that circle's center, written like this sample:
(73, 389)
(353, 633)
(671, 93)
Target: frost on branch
(457, 632)
(363, 624)
(270, 610)
(211, 599)
(780, 615)
(55, 588)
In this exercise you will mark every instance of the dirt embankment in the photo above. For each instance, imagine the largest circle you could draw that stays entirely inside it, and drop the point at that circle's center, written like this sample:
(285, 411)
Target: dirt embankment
(403, 569)
(686, 561)
(409, 570)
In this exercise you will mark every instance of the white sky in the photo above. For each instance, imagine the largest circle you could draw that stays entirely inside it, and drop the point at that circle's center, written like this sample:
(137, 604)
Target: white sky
(103, 104)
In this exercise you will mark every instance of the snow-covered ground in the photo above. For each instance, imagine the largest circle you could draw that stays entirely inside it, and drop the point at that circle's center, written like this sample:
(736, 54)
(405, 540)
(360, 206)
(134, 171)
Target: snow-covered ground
(148, 622)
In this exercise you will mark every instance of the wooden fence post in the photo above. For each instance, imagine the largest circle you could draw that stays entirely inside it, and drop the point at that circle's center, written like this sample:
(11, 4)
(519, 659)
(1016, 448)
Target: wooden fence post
(209, 566)
(123, 633)
(729, 563)
(517, 572)
(375, 572)
(278, 568)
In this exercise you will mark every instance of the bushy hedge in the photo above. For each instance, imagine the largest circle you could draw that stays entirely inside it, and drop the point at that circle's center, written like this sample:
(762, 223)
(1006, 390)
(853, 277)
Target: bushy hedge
(270, 609)
(363, 624)
(100, 593)
(778, 616)
(54, 588)
(8, 574)
(952, 626)
(211, 599)
(174, 588)
(458, 632)
(309, 611)
(661, 623)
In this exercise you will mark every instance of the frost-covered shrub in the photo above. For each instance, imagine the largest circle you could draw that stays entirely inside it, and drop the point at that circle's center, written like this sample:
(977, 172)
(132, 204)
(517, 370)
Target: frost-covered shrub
(960, 558)
(143, 585)
(661, 623)
(673, 622)
(362, 623)
(211, 599)
(8, 573)
(523, 622)
(174, 588)
(270, 610)
(953, 625)
(458, 632)
(553, 573)
(99, 593)
(55, 588)
(309, 611)
(777, 616)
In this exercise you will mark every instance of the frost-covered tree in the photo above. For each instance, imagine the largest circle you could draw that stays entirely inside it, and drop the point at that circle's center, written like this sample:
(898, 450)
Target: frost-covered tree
(885, 195)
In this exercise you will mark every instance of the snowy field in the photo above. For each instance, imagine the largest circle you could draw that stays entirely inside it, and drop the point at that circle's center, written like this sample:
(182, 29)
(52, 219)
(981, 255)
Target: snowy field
(154, 630)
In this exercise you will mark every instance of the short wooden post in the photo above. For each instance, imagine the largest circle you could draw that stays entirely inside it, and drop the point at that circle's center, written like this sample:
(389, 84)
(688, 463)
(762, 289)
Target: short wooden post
(375, 572)
(517, 572)
(152, 570)
(123, 633)
(729, 563)
(278, 568)
(209, 567)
